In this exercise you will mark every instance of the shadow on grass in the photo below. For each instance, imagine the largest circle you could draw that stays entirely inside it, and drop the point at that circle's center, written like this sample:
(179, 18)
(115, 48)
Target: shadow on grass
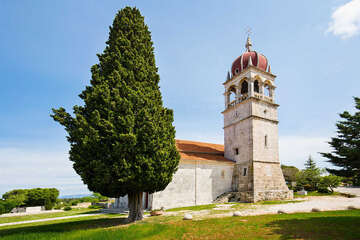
(65, 226)
(331, 227)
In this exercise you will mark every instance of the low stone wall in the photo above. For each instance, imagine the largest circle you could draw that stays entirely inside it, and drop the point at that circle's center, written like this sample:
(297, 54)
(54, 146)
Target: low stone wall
(273, 195)
(28, 209)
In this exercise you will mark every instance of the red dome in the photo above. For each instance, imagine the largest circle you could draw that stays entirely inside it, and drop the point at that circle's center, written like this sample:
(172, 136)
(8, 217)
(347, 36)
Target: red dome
(258, 60)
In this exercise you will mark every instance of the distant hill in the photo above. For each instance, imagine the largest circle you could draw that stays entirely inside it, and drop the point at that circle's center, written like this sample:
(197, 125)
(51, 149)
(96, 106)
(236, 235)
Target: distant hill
(75, 196)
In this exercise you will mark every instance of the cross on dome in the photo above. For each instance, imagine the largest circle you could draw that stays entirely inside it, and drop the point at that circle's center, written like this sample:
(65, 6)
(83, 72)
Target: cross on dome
(248, 44)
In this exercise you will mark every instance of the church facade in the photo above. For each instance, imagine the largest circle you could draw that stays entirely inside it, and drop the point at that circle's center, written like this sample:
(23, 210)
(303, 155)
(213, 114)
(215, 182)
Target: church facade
(248, 162)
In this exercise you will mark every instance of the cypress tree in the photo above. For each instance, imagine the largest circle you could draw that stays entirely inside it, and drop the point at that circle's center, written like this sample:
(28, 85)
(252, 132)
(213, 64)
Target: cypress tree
(346, 146)
(122, 139)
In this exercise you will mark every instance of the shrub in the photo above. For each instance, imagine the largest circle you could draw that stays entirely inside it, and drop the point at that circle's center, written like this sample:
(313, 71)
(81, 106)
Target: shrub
(67, 208)
(2, 209)
(49, 204)
(57, 207)
(95, 207)
(6, 206)
(328, 183)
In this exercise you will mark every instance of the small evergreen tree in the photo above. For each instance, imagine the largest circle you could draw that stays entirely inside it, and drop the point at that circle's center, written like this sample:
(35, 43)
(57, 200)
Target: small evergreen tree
(309, 178)
(122, 140)
(310, 164)
(346, 146)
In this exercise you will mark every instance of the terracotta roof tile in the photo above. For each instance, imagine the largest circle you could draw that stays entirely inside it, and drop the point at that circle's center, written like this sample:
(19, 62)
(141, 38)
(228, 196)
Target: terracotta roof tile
(191, 150)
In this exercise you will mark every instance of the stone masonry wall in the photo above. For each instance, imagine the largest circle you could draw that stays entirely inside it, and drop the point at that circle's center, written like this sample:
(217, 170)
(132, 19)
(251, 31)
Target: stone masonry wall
(269, 183)
(195, 183)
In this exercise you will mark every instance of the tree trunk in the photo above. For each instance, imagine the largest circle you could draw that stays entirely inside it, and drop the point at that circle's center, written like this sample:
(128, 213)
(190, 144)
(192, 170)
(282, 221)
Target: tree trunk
(135, 206)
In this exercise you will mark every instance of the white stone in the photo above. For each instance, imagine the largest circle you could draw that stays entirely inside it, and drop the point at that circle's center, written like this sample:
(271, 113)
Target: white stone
(236, 214)
(188, 216)
(302, 192)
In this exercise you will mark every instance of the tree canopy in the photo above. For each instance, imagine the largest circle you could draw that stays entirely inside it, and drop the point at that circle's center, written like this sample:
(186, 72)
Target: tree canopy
(289, 172)
(346, 145)
(122, 139)
(33, 197)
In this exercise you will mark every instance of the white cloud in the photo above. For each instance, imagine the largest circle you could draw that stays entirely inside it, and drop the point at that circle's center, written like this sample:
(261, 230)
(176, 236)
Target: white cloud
(30, 168)
(346, 20)
(295, 150)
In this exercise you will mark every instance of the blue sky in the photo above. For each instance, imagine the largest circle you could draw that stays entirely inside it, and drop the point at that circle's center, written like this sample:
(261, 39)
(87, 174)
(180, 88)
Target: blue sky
(48, 47)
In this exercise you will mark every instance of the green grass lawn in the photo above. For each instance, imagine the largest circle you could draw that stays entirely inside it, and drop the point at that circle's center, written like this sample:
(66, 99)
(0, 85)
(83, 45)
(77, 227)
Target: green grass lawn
(311, 194)
(321, 225)
(46, 215)
(235, 205)
(193, 208)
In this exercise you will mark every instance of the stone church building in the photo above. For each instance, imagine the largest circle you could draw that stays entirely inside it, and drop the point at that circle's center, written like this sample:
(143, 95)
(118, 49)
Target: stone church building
(248, 162)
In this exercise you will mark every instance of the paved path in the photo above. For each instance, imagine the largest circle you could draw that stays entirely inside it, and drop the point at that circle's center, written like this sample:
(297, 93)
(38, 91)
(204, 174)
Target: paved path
(351, 190)
(29, 213)
(49, 219)
(325, 203)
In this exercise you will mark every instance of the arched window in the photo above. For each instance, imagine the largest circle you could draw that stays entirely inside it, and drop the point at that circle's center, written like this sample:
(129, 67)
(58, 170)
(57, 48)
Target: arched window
(267, 90)
(244, 87)
(256, 86)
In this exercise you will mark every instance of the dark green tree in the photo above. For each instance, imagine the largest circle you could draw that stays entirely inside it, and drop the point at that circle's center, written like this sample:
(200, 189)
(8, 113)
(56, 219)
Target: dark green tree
(309, 178)
(18, 196)
(122, 139)
(310, 164)
(346, 146)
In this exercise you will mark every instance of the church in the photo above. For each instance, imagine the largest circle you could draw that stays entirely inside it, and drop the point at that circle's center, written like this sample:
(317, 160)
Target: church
(248, 162)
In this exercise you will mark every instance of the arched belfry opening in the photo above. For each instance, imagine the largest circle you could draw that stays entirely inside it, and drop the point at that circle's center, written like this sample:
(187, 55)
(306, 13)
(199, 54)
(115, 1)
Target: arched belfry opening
(267, 90)
(232, 94)
(256, 86)
(244, 87)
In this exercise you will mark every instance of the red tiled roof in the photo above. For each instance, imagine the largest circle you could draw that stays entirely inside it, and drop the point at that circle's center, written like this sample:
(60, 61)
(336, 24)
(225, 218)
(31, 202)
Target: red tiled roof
(258, 60)
(191, 150)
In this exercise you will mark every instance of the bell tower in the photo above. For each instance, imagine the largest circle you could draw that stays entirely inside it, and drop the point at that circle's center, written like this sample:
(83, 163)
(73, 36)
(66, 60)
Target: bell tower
(251, 129)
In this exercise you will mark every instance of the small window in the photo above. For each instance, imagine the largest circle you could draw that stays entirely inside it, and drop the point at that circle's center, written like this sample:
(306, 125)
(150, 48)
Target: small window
(237, 71)
(222, 173)
(236, 151)
(266, 140)
(244, 171)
